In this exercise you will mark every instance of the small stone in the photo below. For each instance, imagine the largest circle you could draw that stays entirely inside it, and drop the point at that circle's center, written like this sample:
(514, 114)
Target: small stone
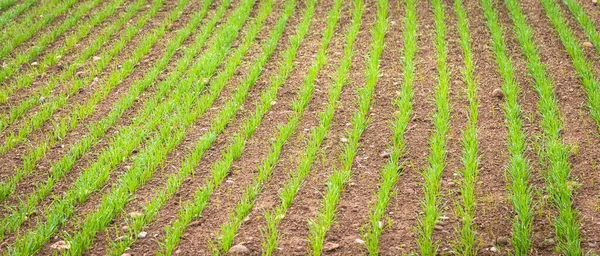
(126, 254)
(438, 227)
(238, 249)
(246, 219)
(493, 249)
(61, 245)
(124, 228)
(142, 234)
(592, 245)
(497, 93)
(80, 74)
(359, 241)
(229, 181)
(96, 58)
(502, 241)
(344, 140)
(178, 251)
(588, 45)
(380, 224)
(135, 214)
(34, 63)
(384, 154)
(329, 246)
(594, 1)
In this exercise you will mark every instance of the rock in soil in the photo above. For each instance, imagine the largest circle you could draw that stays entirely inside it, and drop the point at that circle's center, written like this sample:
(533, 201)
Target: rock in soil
(588, 45)
(135, 214)
(384, 154)
(142, 234)
(329, 246)
(502, 241)
(498, 94)
(238, 249)
(61, 245)
(359, 241)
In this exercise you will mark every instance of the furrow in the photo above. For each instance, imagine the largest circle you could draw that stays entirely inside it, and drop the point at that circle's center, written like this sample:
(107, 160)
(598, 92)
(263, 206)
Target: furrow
(221, 167)
(393, 168)
(554, 151)
(32, 157)
(25, 79)
(99, 172)
(518, 169)
(466, 233)
(43, 41)
(9, 15)
(299, 105)
(16, 35)
(147, 161)
(97, 130)
(582, 65)
(81, 111)
(438, 141)
(246, 203)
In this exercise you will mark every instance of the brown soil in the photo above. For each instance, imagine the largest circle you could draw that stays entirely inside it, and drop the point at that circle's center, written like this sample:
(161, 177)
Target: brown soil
(580, 129)
(65, 60)
(101, 109)
(494, 212)
(40, 172)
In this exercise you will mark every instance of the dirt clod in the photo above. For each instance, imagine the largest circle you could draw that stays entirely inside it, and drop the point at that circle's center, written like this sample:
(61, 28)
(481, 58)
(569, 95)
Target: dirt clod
(142, 234)
(502, 241)
(384, 154)
(61, 245)
(497, 93)
(588, 45)
(238, 249)
(329, 246)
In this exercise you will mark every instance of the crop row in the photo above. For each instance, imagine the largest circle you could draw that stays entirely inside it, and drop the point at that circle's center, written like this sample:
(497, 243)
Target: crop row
(15, 35)
(38, 47)
(98, 173)
(169, 135)
(582, 66)
(518, 168)
(9, 15)
(97, 130)
(319, 226)
(79, 112)
(438, 140)
(283, 133)
(271, 235)
(392, 169)
(25, 79)
(467, 237)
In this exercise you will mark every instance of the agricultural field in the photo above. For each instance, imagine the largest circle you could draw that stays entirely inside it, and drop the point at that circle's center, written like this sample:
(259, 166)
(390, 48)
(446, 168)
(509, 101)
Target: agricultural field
(299, 127)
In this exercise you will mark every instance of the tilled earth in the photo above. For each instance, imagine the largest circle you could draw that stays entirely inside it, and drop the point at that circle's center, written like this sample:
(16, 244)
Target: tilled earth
(494, 213)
